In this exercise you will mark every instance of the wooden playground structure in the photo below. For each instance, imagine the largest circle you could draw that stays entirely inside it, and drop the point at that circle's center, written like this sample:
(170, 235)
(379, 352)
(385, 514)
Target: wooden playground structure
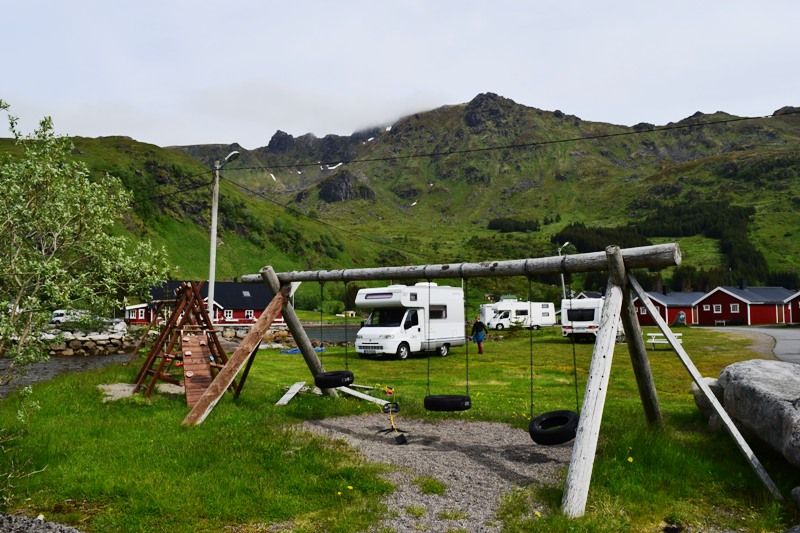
(621, 288)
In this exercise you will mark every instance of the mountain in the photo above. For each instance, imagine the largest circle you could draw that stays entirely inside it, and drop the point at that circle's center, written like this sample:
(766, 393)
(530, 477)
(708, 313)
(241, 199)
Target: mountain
(493, 159)
(450, 184)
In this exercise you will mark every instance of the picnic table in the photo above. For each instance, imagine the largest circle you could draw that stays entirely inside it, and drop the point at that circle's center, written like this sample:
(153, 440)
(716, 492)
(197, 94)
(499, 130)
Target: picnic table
(659, 338)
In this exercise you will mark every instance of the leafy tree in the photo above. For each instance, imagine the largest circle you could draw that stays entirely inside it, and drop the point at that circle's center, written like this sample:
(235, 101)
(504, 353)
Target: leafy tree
(58, 248)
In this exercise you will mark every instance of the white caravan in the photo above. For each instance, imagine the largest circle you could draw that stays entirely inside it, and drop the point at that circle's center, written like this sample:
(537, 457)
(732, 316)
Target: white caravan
(508, 313)
(403, 320)
(580, 318)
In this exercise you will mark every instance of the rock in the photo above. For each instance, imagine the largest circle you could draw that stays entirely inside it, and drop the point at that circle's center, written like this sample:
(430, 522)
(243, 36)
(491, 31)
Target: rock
(241, 333)
(67, 352)
(228, 333)
(796, 496)
(763, 397)
(344, 185)
(75, 344)
(702, 402)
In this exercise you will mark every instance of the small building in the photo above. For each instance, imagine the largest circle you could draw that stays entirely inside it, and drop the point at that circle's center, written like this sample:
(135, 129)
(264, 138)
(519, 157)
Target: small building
(234, 303)
(793, 308)
(673, 307)
(746, 306)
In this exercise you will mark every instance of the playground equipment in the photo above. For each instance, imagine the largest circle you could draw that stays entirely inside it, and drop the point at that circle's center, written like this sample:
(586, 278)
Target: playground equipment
(617, 305)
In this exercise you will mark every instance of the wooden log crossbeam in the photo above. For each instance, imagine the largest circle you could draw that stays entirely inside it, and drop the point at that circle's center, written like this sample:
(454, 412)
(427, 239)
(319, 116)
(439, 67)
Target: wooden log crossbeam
(654, 256)
(730, 427)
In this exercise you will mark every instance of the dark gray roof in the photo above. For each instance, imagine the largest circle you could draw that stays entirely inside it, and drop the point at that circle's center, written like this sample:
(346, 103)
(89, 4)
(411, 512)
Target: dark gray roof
(759, 295)
(227, 294)
(676, 299)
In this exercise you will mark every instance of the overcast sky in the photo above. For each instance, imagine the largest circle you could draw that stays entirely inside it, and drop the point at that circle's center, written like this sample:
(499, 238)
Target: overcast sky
(193, 72)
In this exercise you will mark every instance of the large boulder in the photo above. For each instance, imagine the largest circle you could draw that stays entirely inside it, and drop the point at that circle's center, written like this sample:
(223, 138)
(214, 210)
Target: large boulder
(763, 397)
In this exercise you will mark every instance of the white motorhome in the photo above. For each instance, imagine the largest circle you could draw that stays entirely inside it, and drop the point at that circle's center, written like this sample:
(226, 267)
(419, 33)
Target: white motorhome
(508, 313)
(408, 319)
(580, 318)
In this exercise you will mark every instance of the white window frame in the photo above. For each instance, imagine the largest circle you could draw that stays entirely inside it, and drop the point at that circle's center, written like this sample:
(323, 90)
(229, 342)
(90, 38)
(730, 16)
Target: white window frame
(706, 307)
(141, 313)
(643, 310)
(717, 309)
(228, 314)
(734, 308)
(249, 314)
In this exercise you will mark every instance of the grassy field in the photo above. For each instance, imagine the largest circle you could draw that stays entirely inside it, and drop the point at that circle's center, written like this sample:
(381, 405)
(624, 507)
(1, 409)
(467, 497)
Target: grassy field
(131, 466)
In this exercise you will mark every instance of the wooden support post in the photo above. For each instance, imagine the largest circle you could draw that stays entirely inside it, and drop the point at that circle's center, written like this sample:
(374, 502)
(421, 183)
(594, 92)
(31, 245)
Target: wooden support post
(755, 464)
(637, 349)
(228, 373)
(296, 328)
(579, 475)
(246, 372)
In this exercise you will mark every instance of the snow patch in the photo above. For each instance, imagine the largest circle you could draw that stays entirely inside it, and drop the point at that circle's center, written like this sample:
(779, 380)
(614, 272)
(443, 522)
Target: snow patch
(337, 165)
(273, 176)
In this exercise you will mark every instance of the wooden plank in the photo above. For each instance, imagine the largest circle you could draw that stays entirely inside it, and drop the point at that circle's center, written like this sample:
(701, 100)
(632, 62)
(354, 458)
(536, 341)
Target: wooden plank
(579, 475)
(226, 376)
(296, 328)
(293, 390)
(755, 464)
(196, 367)
(636, 347)
(362, 396)
(655, 256)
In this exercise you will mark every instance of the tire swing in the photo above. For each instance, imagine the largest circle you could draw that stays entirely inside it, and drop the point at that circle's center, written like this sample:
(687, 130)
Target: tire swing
(552, 427)
(444, 402)
(335, 378)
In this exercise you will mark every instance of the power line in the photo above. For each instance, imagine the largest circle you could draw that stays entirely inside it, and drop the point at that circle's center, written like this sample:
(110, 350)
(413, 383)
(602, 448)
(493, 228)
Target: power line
(514, 146)
(300, 213)
(177, 191)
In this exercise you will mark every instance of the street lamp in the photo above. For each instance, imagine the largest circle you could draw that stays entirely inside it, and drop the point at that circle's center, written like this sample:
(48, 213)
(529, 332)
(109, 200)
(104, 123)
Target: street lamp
(212, 265)
(563, 287)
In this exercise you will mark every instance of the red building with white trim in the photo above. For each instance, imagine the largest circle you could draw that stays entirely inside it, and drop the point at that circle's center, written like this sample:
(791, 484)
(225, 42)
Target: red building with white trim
(748, 306)
(234, 303)
(674, 308)
(793, 308)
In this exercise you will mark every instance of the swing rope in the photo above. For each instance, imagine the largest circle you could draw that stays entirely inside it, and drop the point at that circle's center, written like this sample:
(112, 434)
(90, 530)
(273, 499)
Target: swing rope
(466, 298)
(574, 359)
(428, 338)
(346, 357)
(530, 344)
(321, 299)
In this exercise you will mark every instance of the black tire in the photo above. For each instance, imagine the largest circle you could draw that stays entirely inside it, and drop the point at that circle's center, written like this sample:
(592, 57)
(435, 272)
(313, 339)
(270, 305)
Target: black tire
(403, 351)
(554, 427)
(332, 380)
(447, 402)
(443, 350)
(499, 326)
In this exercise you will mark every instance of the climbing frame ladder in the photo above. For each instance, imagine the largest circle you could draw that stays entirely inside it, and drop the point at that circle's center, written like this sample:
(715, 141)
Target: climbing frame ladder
(189, 315)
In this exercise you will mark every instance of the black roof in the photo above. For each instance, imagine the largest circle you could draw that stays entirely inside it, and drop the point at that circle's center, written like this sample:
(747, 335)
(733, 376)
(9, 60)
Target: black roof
(227, 294)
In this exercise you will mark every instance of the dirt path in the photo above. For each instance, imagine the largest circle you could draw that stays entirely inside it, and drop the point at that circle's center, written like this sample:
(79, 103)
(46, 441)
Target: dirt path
(477, 462)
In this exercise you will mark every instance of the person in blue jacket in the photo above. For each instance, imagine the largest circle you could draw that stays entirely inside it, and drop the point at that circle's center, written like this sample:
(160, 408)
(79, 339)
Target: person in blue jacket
(478, 333)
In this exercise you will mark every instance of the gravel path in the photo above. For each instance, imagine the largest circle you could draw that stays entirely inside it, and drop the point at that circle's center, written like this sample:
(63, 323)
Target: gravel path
(477, 462)
(22, 524)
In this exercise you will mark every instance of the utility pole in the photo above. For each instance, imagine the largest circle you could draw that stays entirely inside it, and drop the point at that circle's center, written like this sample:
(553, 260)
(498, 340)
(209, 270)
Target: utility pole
(212, 264)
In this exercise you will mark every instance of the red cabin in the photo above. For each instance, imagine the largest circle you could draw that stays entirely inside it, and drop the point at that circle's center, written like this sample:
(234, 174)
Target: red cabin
(749, 306)
(793, 308)
(674, 308)
(234, 303)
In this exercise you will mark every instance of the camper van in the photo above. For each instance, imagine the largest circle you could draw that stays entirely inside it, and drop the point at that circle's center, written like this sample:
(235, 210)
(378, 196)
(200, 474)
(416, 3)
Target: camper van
(580, 319)
(408, 319)
(508, 313)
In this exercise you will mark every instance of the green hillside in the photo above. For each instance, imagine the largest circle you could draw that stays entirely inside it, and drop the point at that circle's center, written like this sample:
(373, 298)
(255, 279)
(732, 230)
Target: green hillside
(427, 188)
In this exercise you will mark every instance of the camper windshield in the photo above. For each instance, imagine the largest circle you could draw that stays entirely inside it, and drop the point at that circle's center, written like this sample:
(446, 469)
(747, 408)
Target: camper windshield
(580, 315)
(389, 317)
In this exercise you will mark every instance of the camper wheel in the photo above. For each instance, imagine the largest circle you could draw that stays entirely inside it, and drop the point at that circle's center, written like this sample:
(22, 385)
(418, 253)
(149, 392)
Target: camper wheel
(403, 351)
(444, 349)
(499, 326)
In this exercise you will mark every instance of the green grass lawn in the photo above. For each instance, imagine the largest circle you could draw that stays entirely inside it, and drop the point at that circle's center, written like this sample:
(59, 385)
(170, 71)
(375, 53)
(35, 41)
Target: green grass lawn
(131, 466)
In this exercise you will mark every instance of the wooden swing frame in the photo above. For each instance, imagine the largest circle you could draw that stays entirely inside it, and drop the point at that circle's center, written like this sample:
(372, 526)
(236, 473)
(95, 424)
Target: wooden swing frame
(618, 304)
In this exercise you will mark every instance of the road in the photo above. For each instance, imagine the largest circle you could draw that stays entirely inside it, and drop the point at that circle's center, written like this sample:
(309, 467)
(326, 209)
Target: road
(787, 340)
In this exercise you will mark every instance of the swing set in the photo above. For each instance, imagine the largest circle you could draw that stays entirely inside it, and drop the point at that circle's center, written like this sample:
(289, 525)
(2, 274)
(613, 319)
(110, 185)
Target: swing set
(548, 428)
